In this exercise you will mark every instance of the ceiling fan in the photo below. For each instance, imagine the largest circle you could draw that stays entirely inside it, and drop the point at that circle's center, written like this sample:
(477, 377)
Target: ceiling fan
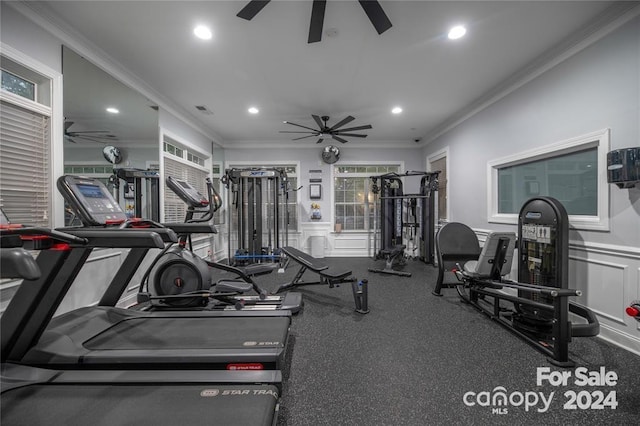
(326, 132)
(99, 136)
(372, 8)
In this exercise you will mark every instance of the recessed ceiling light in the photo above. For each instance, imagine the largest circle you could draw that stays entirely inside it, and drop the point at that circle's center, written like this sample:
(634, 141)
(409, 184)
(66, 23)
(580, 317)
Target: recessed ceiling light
(202, 32)
(253, 110)
(457, 32)
(396, 110)
(113, 110)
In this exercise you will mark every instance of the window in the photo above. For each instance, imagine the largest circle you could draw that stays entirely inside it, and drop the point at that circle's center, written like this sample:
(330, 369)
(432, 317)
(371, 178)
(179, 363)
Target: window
(25, 144)
(573, 172)
(19, 86)
(177, 164)
(353, 200)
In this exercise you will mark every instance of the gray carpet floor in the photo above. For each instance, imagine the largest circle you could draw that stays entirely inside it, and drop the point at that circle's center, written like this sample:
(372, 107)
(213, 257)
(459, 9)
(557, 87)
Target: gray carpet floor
(418, 359)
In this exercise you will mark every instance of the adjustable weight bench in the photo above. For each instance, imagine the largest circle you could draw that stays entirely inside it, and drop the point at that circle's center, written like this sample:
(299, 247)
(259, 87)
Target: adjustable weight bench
(326, 274)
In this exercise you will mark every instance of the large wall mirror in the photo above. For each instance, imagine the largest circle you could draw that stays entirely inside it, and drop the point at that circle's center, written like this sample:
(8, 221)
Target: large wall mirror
(102, 112)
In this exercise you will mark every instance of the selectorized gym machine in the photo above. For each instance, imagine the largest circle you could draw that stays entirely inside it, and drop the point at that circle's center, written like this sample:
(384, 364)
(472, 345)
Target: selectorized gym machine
(141, 191)
(536, 307)
(404, 222)
(258, 218)
(178, 264)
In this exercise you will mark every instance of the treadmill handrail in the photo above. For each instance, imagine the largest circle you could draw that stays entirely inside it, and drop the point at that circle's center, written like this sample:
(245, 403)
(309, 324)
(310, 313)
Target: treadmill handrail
(118, 238)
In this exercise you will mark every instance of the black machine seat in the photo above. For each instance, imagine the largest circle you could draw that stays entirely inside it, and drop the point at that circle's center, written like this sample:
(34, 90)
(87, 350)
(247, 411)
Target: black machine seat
(498, 245)
(18, 263)
(306, 261)
(456, 244)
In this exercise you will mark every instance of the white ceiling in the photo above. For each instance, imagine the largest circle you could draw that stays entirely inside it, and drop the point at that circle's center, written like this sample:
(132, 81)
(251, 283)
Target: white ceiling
(267, 62)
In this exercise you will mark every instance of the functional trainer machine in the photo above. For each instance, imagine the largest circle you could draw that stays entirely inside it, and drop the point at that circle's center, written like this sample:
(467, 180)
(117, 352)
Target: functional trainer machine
(178, 261)
(258, 217)
(404, 221)
(539, 313)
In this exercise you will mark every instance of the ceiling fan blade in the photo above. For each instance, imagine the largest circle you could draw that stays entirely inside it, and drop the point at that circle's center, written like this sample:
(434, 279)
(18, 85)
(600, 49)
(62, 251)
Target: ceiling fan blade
(339, 139)
(304, 137)
(91, 139)
(348, 119)
(106, 132)
(318, 121)
(354, 135)
(299, 125)
(317, 21)
(67, 124)
(251, 9)
(368, 126)
(376, 15)
(287, 131)
(320, 140)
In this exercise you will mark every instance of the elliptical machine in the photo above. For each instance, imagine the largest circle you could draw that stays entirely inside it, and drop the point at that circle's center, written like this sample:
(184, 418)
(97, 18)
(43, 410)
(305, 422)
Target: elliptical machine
(178, 273)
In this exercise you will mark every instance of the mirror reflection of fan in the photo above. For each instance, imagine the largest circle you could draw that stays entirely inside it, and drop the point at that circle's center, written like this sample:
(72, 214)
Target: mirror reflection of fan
(330, 154)
(99, 136)
(326, 132)
(112, 154)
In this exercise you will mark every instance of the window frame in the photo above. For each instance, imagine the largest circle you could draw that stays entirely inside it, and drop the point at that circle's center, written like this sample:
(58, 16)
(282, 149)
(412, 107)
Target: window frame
(48, 102)
(598, 139)
(335, 174)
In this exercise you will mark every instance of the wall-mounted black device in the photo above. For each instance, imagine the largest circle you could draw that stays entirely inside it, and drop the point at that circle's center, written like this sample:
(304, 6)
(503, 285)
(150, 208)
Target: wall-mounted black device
(623, 167)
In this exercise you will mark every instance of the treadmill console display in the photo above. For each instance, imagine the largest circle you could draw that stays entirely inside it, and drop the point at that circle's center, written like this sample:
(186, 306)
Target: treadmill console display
(187, 192)
(91, 200)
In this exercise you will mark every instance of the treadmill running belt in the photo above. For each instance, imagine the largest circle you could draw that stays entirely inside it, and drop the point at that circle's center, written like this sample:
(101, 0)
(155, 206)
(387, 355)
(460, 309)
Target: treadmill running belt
(158, 404)
(191, 333)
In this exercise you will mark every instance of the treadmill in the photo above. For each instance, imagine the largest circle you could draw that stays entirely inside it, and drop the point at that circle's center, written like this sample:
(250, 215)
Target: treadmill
(36, 396)
(105, 337)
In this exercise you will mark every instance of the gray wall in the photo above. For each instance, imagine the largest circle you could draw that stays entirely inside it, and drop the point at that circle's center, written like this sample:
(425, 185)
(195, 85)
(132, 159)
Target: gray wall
(22, 34)
(309, 159)
(595, 89)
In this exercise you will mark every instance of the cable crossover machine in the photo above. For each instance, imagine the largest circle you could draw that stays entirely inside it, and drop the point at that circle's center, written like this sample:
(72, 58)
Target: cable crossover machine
(258, 217)
(404, 224)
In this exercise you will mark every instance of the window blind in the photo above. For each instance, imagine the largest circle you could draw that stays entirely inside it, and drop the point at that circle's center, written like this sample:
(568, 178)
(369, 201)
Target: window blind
(24, 165)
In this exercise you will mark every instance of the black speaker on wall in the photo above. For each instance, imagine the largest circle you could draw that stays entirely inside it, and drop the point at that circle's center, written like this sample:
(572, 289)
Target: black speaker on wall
(623, 167)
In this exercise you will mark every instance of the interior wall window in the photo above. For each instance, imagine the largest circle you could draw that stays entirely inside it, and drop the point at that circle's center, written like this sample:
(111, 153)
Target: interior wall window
(353, 208)
(573, 172)
(25, 145)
